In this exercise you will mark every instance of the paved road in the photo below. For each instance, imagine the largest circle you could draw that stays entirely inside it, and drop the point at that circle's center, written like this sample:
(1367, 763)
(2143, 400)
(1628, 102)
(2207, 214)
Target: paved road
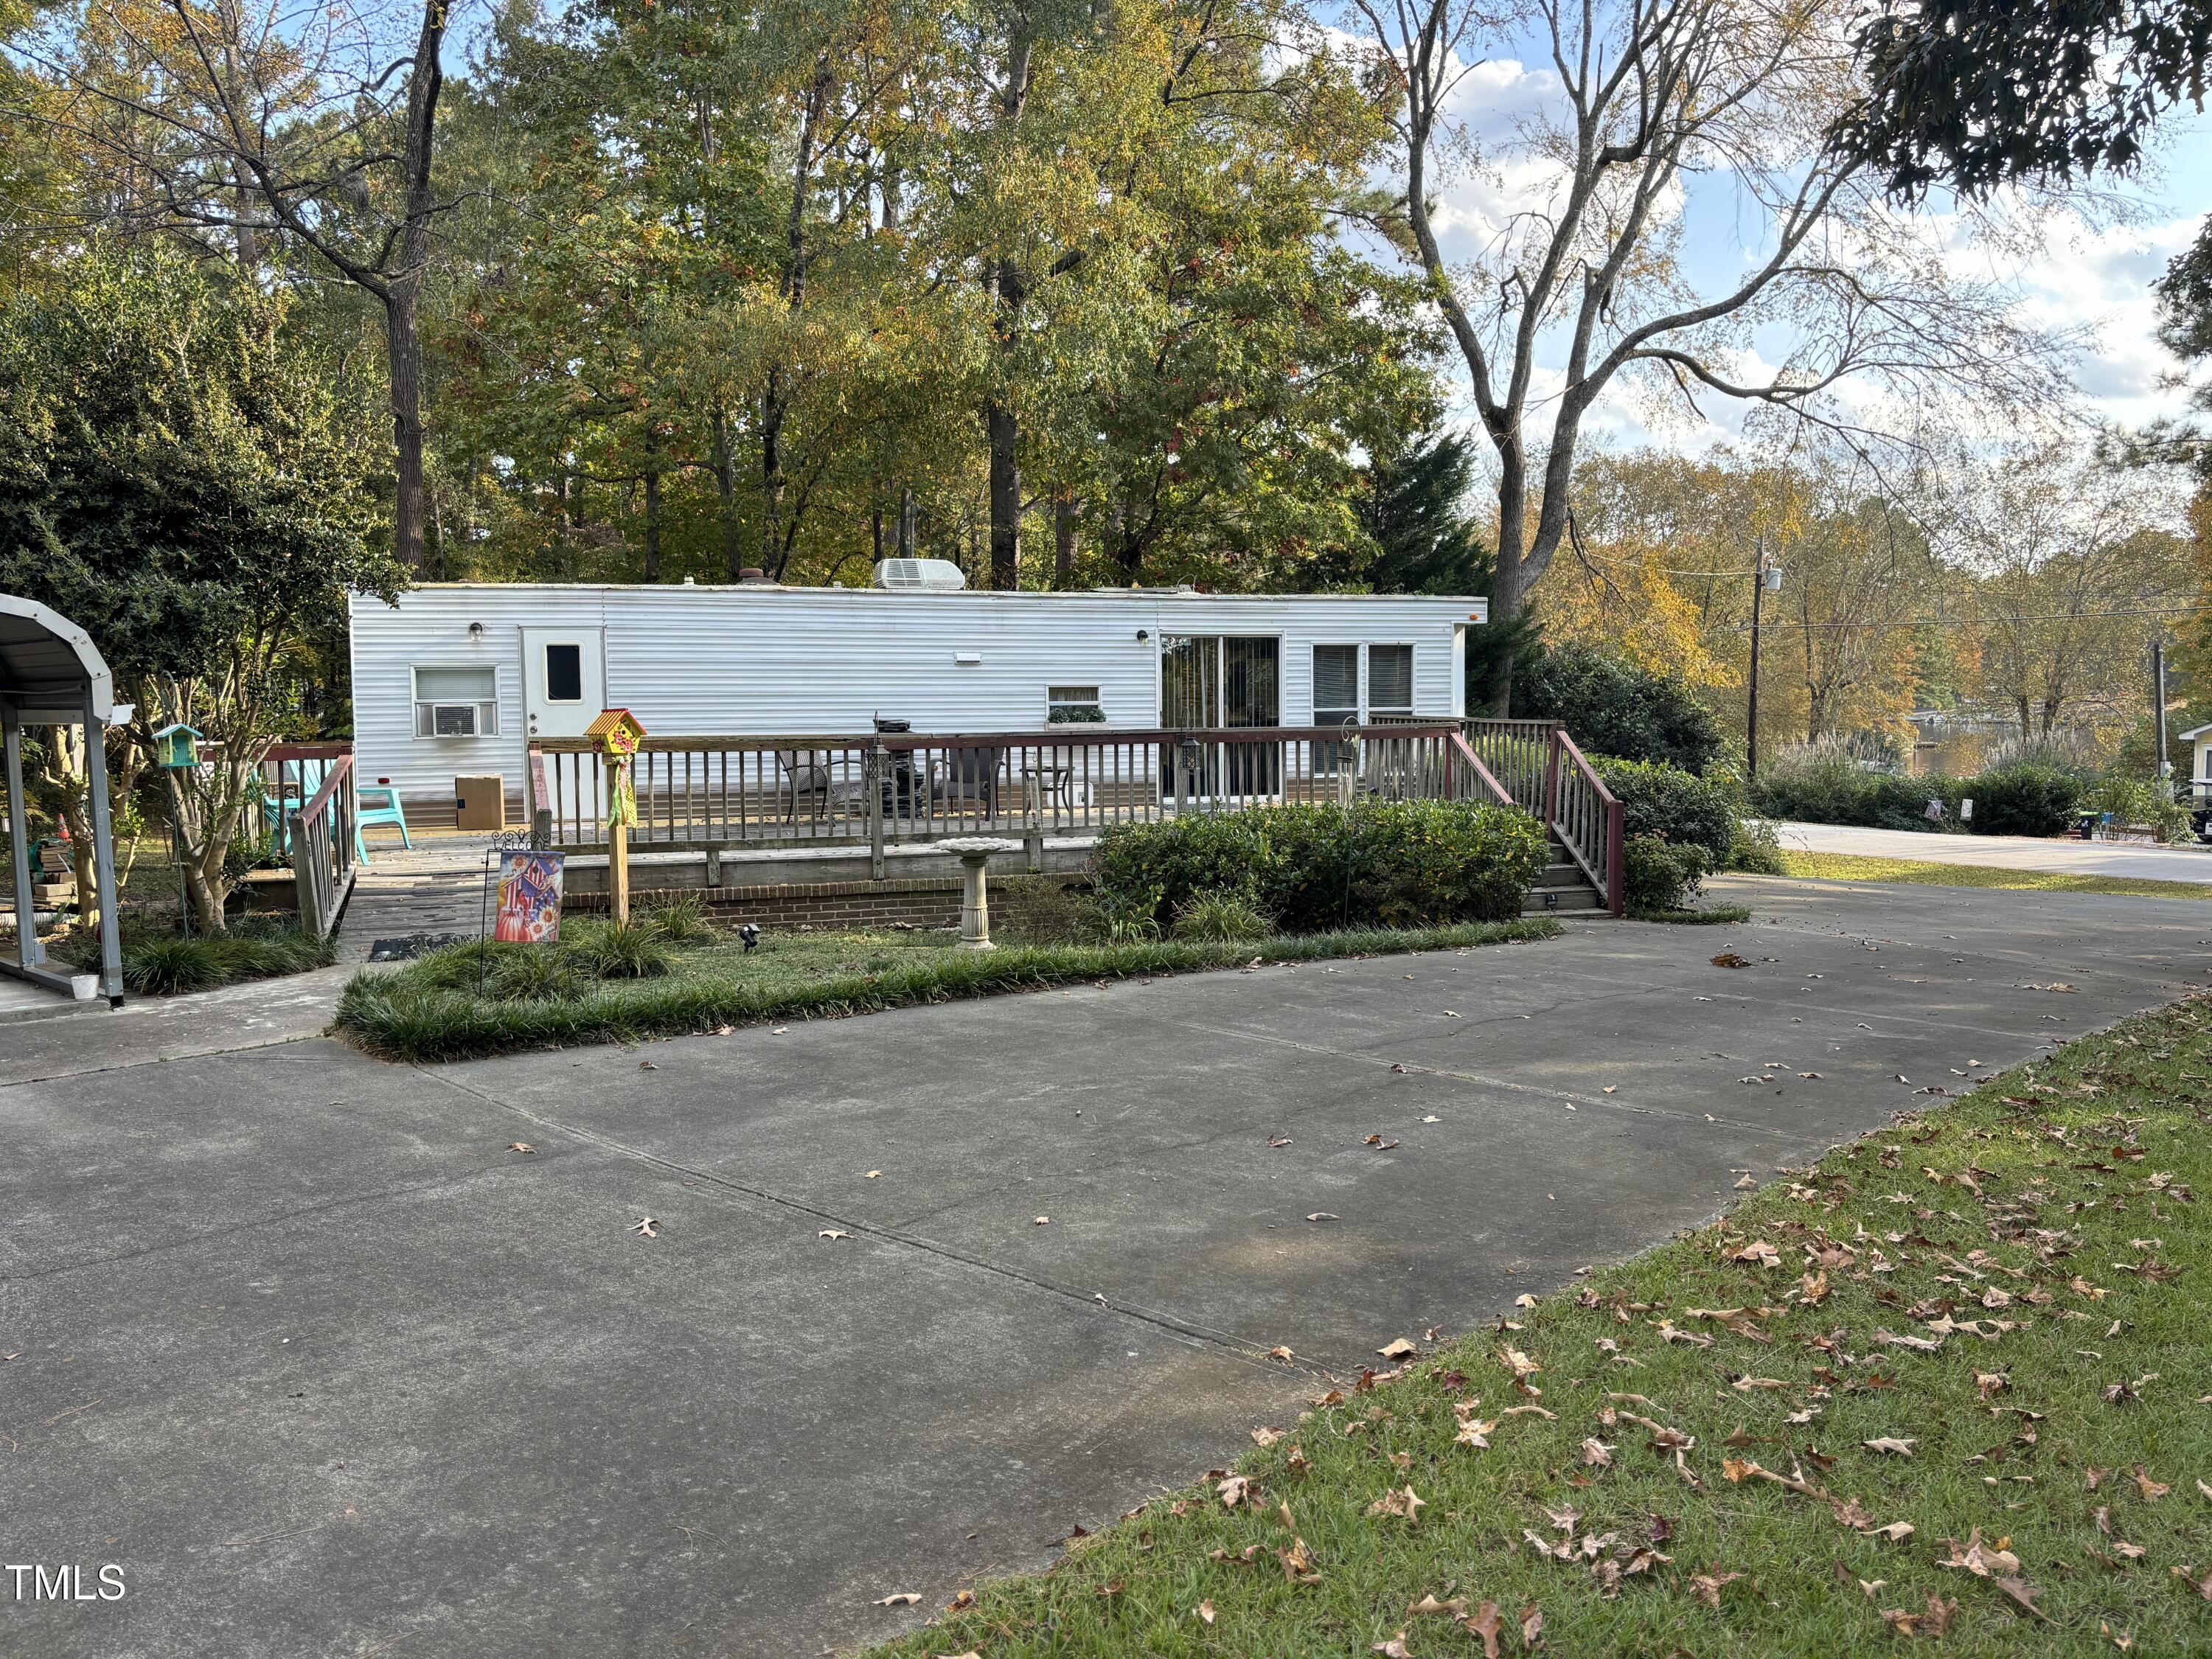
(328, 1369)
(2189, 862)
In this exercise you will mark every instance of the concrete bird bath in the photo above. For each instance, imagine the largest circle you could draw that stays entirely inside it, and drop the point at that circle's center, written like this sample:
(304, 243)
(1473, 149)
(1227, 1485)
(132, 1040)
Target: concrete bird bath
(974, 852)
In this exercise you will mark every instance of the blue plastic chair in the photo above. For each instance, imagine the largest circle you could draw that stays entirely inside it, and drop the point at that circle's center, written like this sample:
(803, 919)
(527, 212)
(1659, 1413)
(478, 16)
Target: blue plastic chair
(277, 810)
(389, 812)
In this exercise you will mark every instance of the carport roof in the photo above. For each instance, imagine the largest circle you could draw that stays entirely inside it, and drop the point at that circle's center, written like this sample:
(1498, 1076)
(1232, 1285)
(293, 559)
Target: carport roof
(48, 664)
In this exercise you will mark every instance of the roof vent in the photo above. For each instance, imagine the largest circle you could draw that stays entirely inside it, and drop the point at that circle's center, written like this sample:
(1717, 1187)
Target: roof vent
(920, 575)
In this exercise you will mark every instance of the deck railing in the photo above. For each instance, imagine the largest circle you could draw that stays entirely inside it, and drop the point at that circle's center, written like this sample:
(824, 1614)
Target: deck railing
(1540, 767)
(905, 787)
(320, 836)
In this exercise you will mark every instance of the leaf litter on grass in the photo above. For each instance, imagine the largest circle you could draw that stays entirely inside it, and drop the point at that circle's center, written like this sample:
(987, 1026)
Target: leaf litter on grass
(1970, 1483)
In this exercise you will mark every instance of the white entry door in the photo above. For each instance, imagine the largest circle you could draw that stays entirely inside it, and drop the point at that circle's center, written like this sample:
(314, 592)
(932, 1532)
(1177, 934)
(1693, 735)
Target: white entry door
(564, 679)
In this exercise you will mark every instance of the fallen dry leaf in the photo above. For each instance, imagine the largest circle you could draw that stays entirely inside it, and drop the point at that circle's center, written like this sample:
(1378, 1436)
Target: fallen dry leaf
(1322, 1215)
(646, 1227)
(2149, 1488)
(1889, 1443)
(520, 1146)
(1266, 1436)
(2019, 1589)
(1983, 1560)
(1532, 1624)
(1206, 1612)
(1429, 1603)
(898, 1599)
(832, 1232)
(1406, 1504)
(1730, 959)
(1398, 1349)
(1708, 1586)
(1486, 1623)
(1280, 1352)
(1395, 1648)
(1596, 1455)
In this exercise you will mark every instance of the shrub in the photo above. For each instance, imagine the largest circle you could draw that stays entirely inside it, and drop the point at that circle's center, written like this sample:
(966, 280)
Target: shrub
(1220, 916)
(1312, 868)
(615, 949)
(2029, 797)
(2137, 800)
(1661, 874)
(1756, 849)
(1039, 910)
(1678, 806)
(1827, 782)
(1611, 706)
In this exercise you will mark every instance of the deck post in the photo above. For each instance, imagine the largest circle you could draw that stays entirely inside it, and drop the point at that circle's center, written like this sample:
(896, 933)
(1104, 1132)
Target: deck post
(873, 779)
(1033, 821)
(618, 844)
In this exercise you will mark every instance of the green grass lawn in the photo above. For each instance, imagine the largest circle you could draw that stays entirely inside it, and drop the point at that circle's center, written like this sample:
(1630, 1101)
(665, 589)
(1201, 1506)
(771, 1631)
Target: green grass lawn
(1852, 867)
(1952, 1379)
(435, 1009)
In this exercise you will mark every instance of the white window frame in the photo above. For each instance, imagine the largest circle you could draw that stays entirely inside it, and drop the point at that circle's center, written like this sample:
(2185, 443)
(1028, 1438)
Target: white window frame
(426, 717)
(545, 674)
(1054, 701)
(1367, 679)
(1358, 710)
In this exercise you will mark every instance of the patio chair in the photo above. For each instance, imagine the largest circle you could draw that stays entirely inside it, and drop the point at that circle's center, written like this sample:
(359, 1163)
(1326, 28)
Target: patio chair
(366, 815)
(814, 772)
(277, 809)
(968, 775)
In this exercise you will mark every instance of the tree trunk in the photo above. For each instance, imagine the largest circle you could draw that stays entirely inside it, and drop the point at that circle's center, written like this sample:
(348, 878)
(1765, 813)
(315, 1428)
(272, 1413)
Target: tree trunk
(725, 486)
(403, 347)
(1003, 431)
(652, 504)
(1063, 541)
(909, 514)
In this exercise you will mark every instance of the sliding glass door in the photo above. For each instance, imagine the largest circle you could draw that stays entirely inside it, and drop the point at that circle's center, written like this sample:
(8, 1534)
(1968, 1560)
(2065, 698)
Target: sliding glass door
(1216, 682)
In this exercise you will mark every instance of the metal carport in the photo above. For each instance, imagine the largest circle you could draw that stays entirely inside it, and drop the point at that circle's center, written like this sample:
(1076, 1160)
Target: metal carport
(51, 674)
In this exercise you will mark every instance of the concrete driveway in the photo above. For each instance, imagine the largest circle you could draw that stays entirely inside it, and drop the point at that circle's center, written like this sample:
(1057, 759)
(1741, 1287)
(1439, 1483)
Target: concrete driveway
(297, 1342)
(2188, 861)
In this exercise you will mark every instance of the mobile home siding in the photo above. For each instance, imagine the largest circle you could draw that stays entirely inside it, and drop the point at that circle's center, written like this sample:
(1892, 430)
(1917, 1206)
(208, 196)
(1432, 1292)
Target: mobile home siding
(760, 661)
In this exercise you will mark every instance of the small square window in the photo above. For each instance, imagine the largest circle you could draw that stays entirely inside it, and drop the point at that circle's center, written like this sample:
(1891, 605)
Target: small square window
(1074, 705)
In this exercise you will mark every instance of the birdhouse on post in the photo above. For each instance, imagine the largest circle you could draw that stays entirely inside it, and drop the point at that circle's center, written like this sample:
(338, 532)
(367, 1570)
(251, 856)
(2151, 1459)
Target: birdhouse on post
(618, 734)
(177, 746)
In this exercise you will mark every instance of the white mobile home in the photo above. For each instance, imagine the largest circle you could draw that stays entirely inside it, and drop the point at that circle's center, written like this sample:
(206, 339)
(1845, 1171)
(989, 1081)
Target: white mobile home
(455, 679)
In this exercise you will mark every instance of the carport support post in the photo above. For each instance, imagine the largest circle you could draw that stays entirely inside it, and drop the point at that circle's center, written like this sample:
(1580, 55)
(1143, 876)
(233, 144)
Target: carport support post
(19, 837)
(103, 853)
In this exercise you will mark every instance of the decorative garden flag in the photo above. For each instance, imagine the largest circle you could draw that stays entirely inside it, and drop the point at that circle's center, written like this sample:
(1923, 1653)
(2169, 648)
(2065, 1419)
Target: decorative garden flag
(530, 898)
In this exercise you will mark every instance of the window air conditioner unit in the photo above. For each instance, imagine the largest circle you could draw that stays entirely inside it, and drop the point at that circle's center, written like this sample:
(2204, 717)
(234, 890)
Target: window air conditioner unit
(454, 720)
(920, 575)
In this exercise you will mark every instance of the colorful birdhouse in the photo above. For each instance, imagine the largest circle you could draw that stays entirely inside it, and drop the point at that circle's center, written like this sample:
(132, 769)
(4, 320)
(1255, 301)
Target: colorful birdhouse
(619, 733)
(177, 745)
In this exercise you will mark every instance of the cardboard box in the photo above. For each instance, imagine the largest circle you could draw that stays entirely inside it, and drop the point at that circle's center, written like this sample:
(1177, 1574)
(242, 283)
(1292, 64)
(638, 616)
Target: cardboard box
(480, 803)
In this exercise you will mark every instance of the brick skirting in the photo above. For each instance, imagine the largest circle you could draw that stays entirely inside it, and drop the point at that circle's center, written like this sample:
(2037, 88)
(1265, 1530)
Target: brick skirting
(928, 901)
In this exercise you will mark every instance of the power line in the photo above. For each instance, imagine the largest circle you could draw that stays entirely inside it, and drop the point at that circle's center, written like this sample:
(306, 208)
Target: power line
(1970, 622)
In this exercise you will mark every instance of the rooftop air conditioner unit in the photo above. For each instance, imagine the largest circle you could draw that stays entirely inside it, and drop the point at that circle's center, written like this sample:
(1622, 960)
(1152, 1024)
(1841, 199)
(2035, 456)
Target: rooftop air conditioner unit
(920, 575)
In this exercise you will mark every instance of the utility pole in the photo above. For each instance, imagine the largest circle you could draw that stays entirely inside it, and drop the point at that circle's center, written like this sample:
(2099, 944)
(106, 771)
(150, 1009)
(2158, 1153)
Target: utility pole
(1763, 577)
(2158, 708)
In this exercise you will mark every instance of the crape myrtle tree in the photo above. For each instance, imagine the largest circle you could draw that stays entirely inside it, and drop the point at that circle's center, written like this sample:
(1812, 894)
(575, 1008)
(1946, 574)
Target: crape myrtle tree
(1573, 281)
(181, 480)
